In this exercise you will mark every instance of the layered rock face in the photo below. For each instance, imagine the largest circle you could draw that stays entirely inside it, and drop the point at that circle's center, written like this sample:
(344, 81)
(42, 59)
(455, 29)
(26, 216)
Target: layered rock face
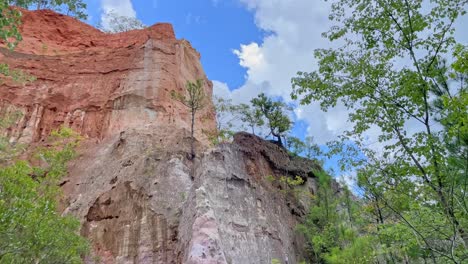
(96, 83)
(141, 201)
(138, 197)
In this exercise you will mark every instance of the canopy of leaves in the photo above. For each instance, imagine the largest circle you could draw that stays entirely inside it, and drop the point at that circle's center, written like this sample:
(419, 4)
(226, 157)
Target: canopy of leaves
(75, 8)
(9, 22)
(333, 228)
(31, 229)
(391, 74)
(195, 95)
(275, 114)
(251, 117)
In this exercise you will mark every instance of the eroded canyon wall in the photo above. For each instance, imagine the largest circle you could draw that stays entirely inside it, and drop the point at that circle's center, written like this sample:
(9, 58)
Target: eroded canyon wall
(98, 84)
(138, 196)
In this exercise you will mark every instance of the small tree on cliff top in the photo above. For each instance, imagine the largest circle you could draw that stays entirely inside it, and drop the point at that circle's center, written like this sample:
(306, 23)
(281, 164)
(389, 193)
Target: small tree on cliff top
(194, 100)
(274, 111)
(252, 117)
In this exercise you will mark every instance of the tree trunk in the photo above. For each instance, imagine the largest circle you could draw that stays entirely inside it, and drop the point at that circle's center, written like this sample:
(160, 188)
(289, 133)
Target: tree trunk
(280, 141)
(192, 147)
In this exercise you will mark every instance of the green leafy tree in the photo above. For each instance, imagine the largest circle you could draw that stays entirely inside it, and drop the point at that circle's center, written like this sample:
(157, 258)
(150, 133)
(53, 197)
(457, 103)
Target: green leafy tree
(225, 118)
(307, 148)
(195, 100)
(274, 112)
(31, 229)
(333, 233)
(390, 75)
(251, 117)
(295, 145)
(9, 21)
(9, 33)
(75, 8)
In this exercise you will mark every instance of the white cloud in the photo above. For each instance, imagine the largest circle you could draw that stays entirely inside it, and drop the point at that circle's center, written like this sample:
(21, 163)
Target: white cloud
(118, 7)
(349, 179)
(221, 89)
(295, 28)
(242, 95)
(251, 57)
(323, 126)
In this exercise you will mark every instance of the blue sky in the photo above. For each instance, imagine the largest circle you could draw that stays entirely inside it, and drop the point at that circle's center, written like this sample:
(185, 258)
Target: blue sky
(215, 29)
(228, 34)
(247, 46)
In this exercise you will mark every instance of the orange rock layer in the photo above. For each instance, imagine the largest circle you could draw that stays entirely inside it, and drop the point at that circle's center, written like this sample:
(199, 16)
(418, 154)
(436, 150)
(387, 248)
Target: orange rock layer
(98, 83)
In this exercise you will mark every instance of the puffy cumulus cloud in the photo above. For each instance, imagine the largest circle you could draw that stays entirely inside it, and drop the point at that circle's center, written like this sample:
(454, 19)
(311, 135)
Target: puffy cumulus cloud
(242, 95)
(252, 58)
(293, 31)
(118, 7)
(323, 126)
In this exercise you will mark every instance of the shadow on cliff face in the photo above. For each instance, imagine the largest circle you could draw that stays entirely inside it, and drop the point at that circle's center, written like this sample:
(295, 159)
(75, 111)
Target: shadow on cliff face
(139, 198)
(243, 208)
(272, 165)
(277, 156)
(142, 201)
(127, 226)
(279, 159)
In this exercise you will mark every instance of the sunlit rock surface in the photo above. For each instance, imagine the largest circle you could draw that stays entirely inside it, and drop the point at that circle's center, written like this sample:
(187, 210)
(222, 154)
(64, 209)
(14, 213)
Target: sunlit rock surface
(138, 196)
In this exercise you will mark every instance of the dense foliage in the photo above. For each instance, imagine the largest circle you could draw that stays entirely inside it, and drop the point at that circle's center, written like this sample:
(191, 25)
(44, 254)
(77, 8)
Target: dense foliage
(9, 22)
(31, 229)
(75, 8)
(392, 73)
(275, 115)
(334, 228)
(251, 117)
(263, 115)
(9, 33)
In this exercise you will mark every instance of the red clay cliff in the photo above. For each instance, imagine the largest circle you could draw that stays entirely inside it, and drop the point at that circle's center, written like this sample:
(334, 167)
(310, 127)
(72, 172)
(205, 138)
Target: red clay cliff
(138, 196)
(98, 83)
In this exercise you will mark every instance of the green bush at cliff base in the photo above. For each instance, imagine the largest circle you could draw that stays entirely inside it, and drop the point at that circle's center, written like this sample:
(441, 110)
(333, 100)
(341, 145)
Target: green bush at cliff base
(31, 229)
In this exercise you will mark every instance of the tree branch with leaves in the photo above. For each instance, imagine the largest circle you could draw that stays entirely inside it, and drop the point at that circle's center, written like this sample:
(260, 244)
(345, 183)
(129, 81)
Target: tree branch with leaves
(389, 73)
(193, 98)
(275, 115)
